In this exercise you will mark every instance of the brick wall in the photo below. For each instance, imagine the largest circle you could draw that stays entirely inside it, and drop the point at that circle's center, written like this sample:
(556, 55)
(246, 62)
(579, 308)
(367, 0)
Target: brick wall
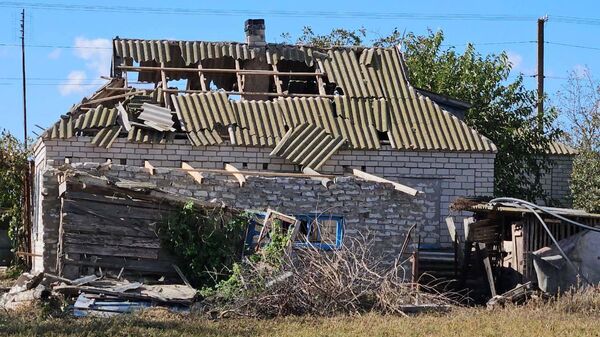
(443, 176)
(557, 181)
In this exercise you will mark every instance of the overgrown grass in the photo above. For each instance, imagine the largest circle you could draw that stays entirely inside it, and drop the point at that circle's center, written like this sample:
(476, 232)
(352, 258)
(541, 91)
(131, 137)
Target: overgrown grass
(575, 314)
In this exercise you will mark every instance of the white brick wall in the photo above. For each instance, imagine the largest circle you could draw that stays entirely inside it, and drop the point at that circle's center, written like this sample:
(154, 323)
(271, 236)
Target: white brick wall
(446, 175)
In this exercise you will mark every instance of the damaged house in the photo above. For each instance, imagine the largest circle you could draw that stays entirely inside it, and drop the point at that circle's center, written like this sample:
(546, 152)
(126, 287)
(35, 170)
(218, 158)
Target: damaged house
(335, 134)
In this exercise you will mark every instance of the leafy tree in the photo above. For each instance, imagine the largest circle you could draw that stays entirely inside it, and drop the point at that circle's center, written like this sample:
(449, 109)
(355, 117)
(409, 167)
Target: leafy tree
(502, 110)
(13, 167)
(579, 103)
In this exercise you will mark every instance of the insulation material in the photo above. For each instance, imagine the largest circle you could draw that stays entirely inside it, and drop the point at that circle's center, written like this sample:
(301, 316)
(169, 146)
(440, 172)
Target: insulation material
(307, 145)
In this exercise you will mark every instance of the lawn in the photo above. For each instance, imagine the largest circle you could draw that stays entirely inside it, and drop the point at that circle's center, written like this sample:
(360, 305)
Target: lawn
(544, 320)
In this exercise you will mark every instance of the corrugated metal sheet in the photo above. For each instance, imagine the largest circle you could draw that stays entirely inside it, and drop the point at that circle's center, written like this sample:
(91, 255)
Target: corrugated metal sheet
(558, 148)
(278, 52)
(203, 111)
(106, 136)
(100, 117)
(259, 123)
(157, 117)
(307, 145)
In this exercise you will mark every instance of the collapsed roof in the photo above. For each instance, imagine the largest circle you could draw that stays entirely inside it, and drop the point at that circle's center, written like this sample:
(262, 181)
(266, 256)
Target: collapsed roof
(305, 102)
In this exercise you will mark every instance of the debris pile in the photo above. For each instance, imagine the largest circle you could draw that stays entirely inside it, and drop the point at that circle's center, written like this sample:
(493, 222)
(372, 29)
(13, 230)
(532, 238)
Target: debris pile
(97, 295)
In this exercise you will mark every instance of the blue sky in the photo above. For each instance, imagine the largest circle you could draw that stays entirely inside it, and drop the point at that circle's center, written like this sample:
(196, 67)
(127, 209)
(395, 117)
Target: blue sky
(60, 75)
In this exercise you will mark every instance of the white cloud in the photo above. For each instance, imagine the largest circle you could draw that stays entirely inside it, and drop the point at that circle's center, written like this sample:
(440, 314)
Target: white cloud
(54, 54)
(74, 83)
(514, 59)
(96, 53)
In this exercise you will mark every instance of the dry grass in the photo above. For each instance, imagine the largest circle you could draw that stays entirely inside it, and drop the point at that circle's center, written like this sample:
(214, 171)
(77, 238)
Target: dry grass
(573, 315)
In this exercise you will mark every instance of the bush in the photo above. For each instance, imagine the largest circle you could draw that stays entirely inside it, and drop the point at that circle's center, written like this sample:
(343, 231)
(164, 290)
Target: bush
(207, 241)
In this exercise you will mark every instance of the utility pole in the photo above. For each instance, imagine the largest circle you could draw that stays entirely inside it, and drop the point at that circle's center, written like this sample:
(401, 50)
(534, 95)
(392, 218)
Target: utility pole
(540, 71)
(24, 80)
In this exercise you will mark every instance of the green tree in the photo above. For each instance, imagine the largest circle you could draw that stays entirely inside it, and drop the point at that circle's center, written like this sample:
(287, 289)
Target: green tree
(13, 167)
(502, 110)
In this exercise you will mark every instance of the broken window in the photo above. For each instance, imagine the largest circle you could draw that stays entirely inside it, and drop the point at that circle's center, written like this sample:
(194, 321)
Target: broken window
(314, 230)
(321, 231)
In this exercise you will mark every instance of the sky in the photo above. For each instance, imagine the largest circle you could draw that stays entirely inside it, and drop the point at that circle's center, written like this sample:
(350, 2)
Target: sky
(68, 43)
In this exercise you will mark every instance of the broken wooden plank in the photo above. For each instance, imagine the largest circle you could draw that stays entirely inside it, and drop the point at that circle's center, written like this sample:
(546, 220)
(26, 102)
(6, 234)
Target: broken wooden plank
(183, 278)
(451, 228)
(316, 176)
(397, 186)
(198, 177)
(488, 268)
(120, 251)
(236, 173)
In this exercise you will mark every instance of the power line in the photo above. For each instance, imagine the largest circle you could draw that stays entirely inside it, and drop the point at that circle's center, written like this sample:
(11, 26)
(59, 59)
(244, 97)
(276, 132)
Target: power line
(572, 45)
(266, 12)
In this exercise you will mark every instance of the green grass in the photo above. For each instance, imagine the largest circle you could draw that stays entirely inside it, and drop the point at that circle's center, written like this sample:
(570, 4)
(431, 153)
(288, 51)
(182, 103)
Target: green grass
(546, 321)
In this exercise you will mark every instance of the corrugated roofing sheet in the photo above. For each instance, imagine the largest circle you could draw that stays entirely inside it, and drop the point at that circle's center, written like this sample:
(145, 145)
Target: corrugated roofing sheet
(157, 117)
(204, 137)
(203, 111)
(307, 145)
(100, 117)
(259, 123)
(558, 148)
(106, 136)
(190, 51)
(278, 52)
(141, 135)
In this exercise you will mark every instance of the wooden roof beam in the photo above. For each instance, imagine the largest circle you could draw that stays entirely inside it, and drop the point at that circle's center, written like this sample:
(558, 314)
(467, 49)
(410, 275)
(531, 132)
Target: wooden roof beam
(236, 173)
(397, 186)
(198, 176)
(317, 176)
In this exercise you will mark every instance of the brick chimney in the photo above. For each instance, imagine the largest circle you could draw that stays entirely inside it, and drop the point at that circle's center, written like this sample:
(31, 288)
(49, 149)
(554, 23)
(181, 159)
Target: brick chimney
(255, 32)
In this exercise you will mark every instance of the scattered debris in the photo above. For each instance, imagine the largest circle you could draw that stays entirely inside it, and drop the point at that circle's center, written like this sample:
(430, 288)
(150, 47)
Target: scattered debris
(517, 295)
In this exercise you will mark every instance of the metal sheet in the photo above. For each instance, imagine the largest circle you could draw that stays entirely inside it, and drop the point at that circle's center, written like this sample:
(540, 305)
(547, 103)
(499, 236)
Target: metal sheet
(307, 145)
(100, 117)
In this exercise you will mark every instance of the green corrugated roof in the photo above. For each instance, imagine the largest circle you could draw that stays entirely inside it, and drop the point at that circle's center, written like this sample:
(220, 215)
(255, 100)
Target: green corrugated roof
(376, 102)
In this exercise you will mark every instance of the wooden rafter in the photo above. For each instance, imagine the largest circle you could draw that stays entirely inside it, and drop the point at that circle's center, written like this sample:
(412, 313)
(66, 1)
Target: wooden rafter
(222, 71)
(397, 186)
(198, 177)
(149, 167)
(236, 173)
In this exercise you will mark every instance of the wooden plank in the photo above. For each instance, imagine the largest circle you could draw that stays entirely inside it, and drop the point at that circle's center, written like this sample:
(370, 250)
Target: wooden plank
(150, 266)
(236, 173)
(99, 226)
(317, 176)
(198, 177)
(164, 83)
(451, 228)
(202, 77)
(320, 82)
(111, 98)
(397, 186)
(111, 211)
(222, 71)
(488, 268)
(120, 251)
(116, 200)
(240, 82)
(277, 81)
(149, 167)
(112, 240)
(231, 92)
